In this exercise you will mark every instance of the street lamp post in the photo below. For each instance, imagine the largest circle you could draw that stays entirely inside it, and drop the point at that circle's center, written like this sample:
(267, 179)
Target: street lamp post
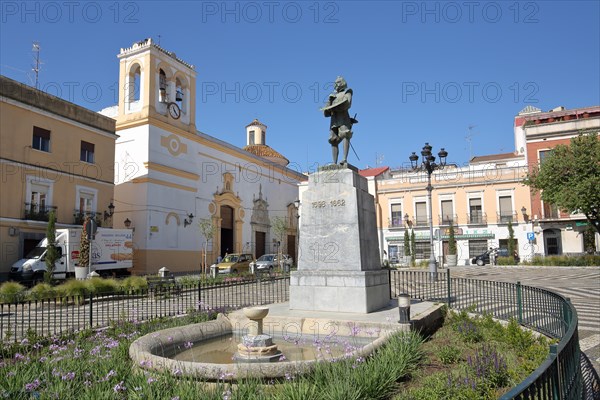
(429, 165)
(297, 255)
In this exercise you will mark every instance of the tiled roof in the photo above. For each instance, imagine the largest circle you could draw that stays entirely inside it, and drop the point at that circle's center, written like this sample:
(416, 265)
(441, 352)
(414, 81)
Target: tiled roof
(373, 171)
(262, 150)
(495, 157)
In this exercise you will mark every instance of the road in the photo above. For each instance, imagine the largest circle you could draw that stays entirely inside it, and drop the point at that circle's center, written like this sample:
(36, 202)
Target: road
(580, 284)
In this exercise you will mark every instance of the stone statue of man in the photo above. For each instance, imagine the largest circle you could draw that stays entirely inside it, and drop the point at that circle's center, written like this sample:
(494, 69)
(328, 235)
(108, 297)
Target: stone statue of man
(340, 128)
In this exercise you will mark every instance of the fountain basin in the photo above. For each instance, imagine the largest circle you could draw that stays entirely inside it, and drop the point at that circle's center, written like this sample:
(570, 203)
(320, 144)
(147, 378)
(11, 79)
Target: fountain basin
(155, 351)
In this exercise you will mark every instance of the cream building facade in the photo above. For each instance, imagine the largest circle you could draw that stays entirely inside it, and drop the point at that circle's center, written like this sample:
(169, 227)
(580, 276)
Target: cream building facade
(479, 200)
(169, 176)
(54, 156)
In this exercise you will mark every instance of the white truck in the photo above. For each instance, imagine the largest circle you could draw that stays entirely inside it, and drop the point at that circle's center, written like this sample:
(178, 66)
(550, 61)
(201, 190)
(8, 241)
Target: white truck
(112, 253)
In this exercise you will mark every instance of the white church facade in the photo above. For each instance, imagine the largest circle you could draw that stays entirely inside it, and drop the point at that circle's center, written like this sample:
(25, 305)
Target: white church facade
(169, 176)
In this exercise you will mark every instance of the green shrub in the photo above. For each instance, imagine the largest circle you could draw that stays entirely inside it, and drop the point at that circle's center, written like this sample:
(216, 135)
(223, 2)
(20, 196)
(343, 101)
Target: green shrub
(11, 292)
(449, 354)
(566, 261)
(73, 288)
(42, 291)
(188, 280)
(134, 283)
(101, 285)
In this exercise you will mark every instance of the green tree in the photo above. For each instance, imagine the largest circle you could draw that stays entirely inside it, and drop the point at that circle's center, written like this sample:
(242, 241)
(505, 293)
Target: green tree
(52, 255)
(413, 247)
(570, 177)
(451, 240)
(407, 251)
(208, 230)
(512, 246)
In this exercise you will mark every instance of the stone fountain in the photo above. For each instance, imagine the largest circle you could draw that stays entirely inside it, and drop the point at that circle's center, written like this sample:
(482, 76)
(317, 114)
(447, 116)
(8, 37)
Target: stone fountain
(256, 346)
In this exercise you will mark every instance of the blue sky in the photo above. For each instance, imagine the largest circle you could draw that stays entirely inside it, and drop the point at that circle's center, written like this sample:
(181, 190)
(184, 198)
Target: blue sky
(420, 71)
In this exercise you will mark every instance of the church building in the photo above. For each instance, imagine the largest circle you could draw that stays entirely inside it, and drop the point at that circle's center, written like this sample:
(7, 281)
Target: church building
(171, 179)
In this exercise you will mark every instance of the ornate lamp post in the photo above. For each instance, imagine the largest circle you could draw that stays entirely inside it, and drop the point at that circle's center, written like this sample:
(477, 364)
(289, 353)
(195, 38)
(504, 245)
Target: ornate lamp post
(428, 165)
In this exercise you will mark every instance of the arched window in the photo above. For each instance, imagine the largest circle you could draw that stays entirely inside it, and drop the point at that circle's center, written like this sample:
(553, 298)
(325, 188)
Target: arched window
(162, 86)
(133, 88)
(179, 94)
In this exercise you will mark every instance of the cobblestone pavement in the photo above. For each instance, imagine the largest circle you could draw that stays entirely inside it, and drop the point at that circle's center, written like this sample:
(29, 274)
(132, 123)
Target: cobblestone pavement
(580, 284)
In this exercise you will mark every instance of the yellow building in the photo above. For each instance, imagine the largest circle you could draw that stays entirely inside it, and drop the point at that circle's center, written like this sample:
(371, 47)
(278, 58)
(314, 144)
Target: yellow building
(479, 200)
(54, 156)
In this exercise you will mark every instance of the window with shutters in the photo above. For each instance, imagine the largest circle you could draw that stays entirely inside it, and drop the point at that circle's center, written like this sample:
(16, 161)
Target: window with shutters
(447, 216)
(506, 211)
(475, 211)
(396, 212)
(421, 214)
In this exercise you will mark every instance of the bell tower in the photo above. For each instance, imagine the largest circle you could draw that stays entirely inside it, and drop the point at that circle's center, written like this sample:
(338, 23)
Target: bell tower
(155, 86)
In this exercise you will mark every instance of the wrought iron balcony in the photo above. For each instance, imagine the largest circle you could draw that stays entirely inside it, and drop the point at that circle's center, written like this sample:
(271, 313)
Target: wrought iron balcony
(421, 222)
(477, 218)
(79, 217)
(396, 223)
(446, 220)
(38, 212)
(506, 217)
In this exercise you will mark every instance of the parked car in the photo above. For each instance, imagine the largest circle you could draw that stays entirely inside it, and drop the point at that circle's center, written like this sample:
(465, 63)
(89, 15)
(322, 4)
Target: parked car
(484, 258)
(235, 263)
(266, 262)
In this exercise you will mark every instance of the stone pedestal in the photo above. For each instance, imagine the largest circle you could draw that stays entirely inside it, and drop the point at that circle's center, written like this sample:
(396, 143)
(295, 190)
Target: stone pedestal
(339, 268)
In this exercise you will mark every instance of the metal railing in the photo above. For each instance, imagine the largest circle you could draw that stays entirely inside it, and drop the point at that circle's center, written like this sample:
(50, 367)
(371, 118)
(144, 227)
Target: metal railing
(38, 212)
(79, 217)
(561, 375)
(477, 218)
(52, 317)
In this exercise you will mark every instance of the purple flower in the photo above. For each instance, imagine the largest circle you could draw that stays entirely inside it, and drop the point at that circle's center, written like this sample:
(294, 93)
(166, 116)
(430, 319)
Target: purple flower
(69, 376)
(188, 345)
(146, 363)
(119, 387)
(282, 358)
(150, 380)
(33, 385)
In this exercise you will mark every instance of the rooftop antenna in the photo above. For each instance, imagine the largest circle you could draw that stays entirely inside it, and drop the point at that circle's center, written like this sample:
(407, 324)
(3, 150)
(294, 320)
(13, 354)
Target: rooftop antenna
(469, 139)
(379, 159)
(159, 40)
(36, 68)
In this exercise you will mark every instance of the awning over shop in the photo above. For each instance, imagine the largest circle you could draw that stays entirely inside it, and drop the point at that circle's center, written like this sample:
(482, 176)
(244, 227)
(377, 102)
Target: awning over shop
(444, 237)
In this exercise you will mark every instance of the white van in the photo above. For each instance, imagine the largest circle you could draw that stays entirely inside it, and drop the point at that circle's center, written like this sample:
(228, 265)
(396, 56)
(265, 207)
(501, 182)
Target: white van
(112, 253)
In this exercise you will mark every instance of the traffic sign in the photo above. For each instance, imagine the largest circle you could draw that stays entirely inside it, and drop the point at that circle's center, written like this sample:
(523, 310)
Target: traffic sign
(530, 236)
(90, 228)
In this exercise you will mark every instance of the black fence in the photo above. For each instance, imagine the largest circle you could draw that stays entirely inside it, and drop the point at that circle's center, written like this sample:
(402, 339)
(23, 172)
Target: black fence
(565, 374)
(64, 315)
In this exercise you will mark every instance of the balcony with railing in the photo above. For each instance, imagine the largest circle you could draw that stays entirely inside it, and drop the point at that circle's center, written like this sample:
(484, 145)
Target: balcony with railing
(36, 212)
(446, 220)
(395, 223)
(79, 217)
(506, 217)
(421, 221)
(477, 218)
